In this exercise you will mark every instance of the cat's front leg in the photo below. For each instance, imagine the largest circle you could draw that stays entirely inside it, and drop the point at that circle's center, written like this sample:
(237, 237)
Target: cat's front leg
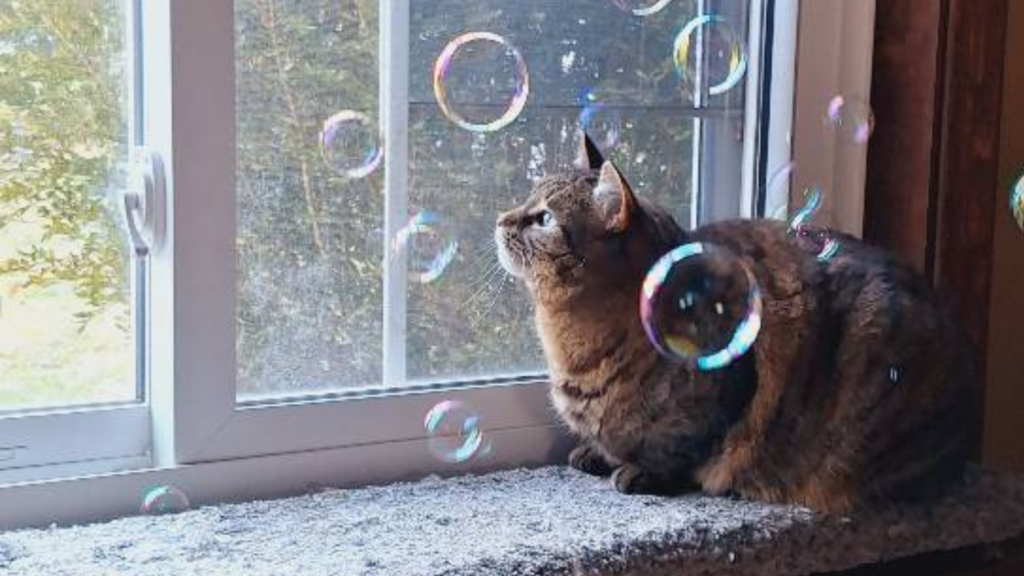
(589, 460)
(633, 479)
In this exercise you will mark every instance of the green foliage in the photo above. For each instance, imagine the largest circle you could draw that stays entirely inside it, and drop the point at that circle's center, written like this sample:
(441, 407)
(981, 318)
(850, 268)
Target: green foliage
(62, 133)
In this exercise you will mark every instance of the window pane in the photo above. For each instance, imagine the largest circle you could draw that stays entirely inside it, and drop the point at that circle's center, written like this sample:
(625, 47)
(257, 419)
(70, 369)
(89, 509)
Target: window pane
(312, 253)
(65, 316)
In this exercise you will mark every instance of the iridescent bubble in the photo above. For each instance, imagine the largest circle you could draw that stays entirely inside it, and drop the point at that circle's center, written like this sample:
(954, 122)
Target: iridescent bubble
(641, 7)
(851, 118)
(1017, 202)
(724, 48)
(350, 144)
(700, 304)
(454, 432)
(601, 123)
(428, 243)
(164, 500)
(818, 241)
(483, 54)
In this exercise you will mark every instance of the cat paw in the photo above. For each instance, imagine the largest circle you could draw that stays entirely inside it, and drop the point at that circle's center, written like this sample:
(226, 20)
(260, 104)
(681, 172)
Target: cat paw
(586, 459)
(631, 479)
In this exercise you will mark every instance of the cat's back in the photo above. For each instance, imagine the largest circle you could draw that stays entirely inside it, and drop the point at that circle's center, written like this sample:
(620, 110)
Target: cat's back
(864, 380)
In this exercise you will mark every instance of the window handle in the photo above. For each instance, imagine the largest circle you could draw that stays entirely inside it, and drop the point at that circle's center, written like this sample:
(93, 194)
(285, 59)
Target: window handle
(143, 206)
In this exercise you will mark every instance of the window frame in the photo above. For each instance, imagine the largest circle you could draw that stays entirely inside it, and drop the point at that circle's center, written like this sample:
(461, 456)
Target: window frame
(200, 441)
(39, 442)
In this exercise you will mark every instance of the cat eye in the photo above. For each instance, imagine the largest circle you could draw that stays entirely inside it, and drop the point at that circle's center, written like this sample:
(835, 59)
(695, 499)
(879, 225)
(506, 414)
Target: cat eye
(544, 219)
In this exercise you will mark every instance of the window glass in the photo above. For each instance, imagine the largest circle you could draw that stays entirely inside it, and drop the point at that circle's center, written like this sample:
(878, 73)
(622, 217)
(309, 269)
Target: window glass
(496, 91)
(65, 315)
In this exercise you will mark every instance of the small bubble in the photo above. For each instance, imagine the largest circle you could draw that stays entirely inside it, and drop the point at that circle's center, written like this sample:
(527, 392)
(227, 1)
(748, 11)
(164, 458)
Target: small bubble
(819, 241)
(641, 7)
(428, 244)
(700, 303)
(602, 123)
(454, 432)
(851, 118)
(726, 52)
(481, 53)
(164, 500)
(350, 145)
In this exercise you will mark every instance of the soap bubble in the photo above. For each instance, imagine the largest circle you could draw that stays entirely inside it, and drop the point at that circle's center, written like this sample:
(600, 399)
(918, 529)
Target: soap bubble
(429, 245)
(164, 500)
(454, 432)
(487, 62)
(725, 53)
(701, 304)
(641, 7)
(601, 123)
(350, 145)
(851, 118)
(819, 241)
(1017, 202)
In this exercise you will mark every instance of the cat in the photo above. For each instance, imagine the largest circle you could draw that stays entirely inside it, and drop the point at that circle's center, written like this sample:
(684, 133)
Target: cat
(858, 389)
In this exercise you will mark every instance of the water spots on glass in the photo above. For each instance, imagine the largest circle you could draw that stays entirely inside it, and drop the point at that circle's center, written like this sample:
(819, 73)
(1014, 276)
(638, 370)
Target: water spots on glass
(725, 55)
(701, 304)
(454, 432)
(485, 55)
(350, 144)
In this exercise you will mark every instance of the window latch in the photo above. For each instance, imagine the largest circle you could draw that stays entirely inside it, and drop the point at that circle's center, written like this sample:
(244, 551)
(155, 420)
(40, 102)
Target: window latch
(143, 205)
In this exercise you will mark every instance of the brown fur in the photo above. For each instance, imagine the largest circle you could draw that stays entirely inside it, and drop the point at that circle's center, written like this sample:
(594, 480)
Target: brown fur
(808, 416)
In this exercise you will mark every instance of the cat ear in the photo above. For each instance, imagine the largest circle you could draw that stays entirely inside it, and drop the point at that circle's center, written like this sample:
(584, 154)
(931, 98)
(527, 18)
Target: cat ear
(588, 156)
(614, 198)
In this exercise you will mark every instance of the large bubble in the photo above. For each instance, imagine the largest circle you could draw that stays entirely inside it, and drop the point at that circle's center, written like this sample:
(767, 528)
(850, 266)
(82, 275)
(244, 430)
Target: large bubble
(350, 144)
(481, 65)
(701, 304)
(725, 57)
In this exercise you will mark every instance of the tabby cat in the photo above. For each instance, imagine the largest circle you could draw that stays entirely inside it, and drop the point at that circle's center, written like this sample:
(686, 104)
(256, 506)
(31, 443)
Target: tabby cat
(856, 391)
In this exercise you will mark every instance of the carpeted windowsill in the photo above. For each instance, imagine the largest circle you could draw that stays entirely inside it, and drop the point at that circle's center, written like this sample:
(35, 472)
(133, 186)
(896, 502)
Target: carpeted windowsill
(516, 523)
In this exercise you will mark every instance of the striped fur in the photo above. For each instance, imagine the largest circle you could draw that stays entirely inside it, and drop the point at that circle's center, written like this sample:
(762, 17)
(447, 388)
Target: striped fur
(810, 415)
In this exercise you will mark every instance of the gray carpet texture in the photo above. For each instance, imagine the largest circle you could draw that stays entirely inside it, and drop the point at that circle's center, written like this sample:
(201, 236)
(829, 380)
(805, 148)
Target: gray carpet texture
(515, 523)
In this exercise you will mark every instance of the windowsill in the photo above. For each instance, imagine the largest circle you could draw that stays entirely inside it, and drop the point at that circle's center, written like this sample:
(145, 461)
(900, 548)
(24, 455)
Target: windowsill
(546, 521)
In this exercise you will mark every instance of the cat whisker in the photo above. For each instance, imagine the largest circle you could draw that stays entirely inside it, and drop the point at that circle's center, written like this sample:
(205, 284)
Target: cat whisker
(484, 283)
(497, 295)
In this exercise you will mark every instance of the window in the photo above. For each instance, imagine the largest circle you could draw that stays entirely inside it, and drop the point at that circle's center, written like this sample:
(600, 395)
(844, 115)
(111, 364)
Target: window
(69, 345)
(326, 275)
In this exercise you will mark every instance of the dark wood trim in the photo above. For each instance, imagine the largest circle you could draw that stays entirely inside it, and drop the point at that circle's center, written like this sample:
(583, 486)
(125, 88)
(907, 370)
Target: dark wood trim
(1003, 559)
(933, 161)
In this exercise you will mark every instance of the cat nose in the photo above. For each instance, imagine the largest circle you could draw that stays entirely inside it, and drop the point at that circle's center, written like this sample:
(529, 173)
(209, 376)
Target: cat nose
(506, 220)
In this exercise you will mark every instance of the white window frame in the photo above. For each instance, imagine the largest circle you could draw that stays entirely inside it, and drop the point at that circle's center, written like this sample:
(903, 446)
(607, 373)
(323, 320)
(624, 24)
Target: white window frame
(216, 451)
(37, 443)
